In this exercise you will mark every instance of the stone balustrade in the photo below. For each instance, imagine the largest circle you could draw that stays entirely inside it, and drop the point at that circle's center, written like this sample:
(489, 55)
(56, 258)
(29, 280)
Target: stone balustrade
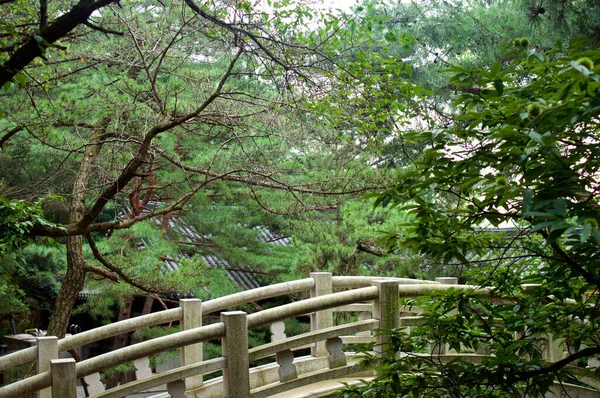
(375, 300)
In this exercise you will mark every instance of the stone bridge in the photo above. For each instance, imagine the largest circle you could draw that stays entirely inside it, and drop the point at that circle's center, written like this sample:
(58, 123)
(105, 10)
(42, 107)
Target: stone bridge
(374, 300)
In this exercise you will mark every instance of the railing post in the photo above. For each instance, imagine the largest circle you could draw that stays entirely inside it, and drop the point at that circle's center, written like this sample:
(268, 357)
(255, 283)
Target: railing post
(554, 348)
(64, 381)
(47, 350)
(324, 318)
(234, 346)
(387, 310)
(190, 319)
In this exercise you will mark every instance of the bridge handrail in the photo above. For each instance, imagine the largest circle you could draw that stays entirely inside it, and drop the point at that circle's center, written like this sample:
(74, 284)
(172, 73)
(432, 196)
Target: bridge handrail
(158, 318)
(210, 306)
(182, 372)
(219, 363)
(90, 336)
(289, 343)
(383, 292)
(214, 331)
(217, 330)
(183, 338)
(353, 282)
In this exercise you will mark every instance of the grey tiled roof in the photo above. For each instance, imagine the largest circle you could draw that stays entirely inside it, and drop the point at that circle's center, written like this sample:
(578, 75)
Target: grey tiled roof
(265, 235)
(242, 275)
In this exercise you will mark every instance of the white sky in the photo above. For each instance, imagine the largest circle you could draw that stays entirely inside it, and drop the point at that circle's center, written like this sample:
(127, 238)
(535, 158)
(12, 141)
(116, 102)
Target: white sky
(343, 5)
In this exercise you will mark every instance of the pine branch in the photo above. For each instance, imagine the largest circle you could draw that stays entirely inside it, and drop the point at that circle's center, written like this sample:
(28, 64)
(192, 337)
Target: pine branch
(118, 270)
(103, 30)
(8, 135)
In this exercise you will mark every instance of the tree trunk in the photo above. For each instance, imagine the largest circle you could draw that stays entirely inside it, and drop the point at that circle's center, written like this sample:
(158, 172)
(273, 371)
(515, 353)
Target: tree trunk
(76, 265)
(70, 288)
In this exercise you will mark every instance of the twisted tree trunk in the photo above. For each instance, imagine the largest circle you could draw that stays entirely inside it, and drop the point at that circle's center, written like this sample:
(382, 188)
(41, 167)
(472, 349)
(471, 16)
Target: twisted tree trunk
(76, 265)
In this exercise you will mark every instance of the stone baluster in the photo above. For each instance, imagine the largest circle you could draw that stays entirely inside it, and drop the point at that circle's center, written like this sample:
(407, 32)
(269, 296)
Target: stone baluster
(142, 368)
(593, 361)
(554, 348)
(287, 369)
(47, 350)
(234, 346)
(386, 310)
(324, 318)
(335, 347)
(285, 358)
(64, 381)
(176, 389)
(278, 331)
(190, 354)
(94, 385)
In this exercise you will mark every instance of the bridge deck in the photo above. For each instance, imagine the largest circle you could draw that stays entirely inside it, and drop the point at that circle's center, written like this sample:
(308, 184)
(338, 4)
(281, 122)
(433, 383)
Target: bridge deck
(320, 389)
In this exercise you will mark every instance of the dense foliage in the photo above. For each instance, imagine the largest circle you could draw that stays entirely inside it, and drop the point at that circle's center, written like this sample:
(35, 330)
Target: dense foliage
(122, 124)
(509, 190)
(141, 107)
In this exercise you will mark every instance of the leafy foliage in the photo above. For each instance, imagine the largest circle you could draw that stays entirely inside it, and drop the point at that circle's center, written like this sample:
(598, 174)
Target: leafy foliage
(523, 156)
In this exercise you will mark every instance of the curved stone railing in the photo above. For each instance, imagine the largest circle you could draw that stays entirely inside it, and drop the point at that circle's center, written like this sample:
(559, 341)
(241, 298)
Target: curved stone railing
(374, 299)
(192, 332)
(167, 316)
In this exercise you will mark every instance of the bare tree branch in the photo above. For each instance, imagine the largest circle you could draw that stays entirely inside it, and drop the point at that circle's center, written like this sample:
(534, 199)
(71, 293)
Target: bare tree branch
(236, 175)
(130, 171)
(236, 30)
(8, 135)
(58, 29)
(43, 13)
(558, 365)
(103, 30)
(101, 272)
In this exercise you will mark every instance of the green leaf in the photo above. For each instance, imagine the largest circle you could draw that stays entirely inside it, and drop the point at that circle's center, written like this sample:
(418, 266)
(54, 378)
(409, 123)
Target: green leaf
(391, 37)
(535, 136)
(586, 231)
(495, 69)
(499, 85)
(20, 78)
(527, 199)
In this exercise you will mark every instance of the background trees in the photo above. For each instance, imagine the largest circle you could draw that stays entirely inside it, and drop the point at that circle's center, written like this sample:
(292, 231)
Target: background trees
(160, 101)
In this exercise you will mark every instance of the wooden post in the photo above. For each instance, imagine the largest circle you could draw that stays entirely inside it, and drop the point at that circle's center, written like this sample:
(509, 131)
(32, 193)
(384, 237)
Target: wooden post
(387, 310)
(190, 354)
(324, 318)
(64, 381)
(47, 350)
(234, 346)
